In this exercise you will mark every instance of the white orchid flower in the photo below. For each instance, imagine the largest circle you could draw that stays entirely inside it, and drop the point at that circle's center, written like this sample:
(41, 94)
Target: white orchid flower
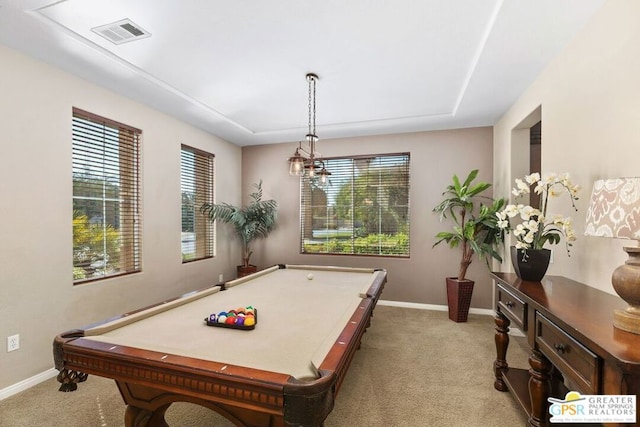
(533, 178)
(532, 231)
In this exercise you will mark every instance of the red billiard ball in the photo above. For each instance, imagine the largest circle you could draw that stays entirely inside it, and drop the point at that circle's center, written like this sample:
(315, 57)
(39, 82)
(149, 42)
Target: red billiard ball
(230, 320)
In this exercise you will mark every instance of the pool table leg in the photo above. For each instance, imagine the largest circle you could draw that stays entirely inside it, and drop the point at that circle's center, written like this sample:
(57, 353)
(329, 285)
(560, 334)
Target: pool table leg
(145, 405)
(138, 417)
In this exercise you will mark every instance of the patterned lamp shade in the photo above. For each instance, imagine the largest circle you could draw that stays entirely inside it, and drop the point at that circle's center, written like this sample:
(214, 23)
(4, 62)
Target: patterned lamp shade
(614, 209)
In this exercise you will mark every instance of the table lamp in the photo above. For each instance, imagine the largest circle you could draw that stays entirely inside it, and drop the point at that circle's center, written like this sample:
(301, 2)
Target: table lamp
(614, 211)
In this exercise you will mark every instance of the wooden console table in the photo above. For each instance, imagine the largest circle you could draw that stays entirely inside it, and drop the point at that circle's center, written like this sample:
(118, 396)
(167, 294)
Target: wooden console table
(574, 346)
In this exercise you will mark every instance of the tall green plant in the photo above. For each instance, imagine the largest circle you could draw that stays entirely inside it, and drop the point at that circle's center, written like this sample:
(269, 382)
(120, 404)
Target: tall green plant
(475, 225)
(254, 221)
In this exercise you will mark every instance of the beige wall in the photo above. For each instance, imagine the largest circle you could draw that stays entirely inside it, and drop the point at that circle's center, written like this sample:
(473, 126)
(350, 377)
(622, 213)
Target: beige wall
(589, 98)
(37, 297)
(435, 157)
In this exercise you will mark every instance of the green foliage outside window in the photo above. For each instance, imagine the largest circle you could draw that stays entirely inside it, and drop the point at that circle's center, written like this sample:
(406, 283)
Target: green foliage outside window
(188, 212)
(365, 210)
(96, 248)
(379, 244)
(374, 206)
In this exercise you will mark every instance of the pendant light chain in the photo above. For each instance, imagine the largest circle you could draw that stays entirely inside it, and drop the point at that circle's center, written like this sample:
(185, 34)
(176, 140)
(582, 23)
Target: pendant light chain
(312, 104)
(309, 103)
(313, 82)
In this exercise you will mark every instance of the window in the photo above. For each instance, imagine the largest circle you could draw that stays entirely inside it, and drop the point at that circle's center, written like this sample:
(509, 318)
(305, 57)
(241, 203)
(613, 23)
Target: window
(363, 211)
(196, 182)
(106, 198)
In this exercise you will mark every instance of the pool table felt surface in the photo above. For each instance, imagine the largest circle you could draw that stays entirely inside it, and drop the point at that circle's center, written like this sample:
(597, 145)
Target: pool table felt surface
(298, 321)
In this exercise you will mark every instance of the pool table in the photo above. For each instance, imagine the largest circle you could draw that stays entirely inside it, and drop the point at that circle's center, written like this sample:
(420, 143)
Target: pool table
(285, 372)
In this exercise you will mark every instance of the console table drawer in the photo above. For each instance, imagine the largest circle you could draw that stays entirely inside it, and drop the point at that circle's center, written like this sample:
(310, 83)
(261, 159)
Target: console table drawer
(575, 361)
(512, 306)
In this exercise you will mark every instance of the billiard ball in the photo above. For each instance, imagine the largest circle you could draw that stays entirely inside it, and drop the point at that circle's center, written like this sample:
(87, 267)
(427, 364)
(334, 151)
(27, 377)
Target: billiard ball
(249, 321)
(310, 276)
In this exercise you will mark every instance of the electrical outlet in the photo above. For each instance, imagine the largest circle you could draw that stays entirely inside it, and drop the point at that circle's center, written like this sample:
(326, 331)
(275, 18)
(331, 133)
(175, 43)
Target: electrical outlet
(220, 278)
(13, 342)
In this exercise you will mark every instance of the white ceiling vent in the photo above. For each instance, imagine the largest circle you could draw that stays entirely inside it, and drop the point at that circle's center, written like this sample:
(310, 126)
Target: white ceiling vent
(121, 32)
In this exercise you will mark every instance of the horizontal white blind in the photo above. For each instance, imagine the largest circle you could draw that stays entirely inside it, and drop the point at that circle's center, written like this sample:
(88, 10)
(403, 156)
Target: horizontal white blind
(364, 210)
(106, 197)
(196, 181)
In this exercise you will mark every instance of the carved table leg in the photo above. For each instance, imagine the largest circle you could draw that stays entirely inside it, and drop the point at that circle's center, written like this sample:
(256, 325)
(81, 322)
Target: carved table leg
(138, 417)
(69, 379)
(502, 343)
(539, 388)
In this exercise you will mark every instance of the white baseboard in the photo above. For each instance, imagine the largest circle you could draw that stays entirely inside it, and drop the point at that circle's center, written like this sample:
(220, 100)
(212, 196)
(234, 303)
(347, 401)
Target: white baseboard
(485, 311)
(25, 384)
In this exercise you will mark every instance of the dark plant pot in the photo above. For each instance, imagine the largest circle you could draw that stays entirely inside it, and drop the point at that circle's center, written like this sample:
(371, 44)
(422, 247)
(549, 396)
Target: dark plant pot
(459, 294)
(245, 271)
(533, 266)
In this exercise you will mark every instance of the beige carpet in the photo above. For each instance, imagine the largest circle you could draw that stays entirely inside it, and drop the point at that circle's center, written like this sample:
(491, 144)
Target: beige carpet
(415, 368)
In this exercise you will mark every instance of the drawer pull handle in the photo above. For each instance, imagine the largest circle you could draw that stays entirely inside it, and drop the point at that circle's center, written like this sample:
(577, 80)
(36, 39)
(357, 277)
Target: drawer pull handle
(509, 304)
(560, 348)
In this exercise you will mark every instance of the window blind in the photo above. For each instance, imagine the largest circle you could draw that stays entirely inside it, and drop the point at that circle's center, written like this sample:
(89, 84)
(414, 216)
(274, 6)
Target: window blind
(363, 211)
(106, 197)
(196, 181)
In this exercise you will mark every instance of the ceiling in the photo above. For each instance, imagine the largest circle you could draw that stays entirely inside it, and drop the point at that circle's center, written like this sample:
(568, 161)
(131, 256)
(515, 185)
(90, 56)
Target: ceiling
(236, 68)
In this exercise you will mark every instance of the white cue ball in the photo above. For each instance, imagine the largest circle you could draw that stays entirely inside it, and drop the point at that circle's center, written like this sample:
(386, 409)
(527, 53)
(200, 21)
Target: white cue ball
(310, 276)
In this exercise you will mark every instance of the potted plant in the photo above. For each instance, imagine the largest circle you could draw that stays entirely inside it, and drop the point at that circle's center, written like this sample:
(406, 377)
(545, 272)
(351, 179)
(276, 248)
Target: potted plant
(475, 230)
(535, 227)
(254, 221)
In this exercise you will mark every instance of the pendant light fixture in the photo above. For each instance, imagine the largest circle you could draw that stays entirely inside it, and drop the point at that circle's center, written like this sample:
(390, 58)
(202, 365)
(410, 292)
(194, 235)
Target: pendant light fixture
(308, 162)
